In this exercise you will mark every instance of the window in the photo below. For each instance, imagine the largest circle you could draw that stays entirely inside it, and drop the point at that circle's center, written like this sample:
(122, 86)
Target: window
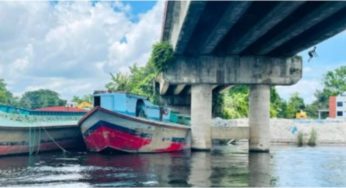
(339, 113)
(97, 101)
(339, 104)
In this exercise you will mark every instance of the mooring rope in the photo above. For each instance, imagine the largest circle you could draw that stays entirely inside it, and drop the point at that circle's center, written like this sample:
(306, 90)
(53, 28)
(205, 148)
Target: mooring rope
(50, 137)
(38, 141)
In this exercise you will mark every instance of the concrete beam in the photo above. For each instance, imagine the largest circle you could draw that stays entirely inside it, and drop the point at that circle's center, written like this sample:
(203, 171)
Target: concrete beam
(234, 70)
(185, 17)
(225, 133)
(163, 87)
(221, 88)
(168, 22)
(232, 14)
(312, 18)
(276, 15)
(320, 32)
(178, 89)
(175, 100)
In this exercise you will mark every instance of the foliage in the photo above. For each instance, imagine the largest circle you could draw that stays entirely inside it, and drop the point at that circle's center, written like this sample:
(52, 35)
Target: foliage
(236, 102)
(218, 104)
(335, 81)
(278, 106)
(41, 98)
(6, 97)
(119, 82)
(139, 81)
(85, 98)
(295, 104)
(313, 138)
(161, 56)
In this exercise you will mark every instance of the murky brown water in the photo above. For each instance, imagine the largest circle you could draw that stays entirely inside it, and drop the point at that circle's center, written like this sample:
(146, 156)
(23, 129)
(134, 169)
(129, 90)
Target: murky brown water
(224, 166)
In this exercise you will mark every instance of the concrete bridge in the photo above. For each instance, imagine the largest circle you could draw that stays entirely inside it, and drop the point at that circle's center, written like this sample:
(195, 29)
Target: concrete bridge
(218, 44)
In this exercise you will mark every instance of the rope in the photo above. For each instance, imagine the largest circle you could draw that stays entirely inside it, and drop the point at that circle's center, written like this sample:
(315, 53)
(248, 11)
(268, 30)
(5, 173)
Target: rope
(38, 141)
(34, 140)
(50, 137)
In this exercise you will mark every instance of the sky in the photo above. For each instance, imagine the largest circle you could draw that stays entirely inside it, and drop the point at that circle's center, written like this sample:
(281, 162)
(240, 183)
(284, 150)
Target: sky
(71, 47)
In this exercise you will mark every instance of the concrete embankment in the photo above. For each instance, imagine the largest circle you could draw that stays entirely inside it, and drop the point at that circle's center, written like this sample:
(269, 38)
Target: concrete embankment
(287, 130)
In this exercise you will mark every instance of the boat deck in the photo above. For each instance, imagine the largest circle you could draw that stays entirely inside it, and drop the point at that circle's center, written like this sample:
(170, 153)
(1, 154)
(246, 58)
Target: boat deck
(21, 120)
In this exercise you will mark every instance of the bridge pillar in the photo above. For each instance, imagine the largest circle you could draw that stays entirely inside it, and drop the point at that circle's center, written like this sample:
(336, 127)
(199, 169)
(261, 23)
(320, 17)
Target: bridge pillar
(259, 101)
(201, 103)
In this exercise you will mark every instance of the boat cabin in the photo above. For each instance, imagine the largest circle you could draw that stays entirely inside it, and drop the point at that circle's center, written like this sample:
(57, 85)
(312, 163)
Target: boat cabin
(130, 104)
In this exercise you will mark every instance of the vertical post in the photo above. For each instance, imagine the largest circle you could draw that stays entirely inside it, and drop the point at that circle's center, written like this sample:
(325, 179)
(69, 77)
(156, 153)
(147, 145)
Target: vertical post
(259, 140)
(201, 102)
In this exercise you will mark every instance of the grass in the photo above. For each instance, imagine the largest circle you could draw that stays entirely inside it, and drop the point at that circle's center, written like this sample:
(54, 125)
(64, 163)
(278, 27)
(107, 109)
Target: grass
(313, 138)
(300, 139)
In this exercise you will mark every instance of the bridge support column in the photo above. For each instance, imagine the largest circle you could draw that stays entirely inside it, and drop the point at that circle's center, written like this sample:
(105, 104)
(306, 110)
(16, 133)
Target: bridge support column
(201, 102)
(259, 101)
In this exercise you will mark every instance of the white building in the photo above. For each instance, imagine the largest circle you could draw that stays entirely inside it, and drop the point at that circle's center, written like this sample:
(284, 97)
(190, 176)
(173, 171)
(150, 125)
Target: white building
(337, 106)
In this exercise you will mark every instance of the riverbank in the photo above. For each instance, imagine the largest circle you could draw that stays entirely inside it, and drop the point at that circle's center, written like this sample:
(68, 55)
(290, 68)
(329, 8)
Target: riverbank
(285, 131)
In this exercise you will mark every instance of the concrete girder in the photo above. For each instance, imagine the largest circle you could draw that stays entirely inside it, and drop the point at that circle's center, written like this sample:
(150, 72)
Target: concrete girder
(163, 86)
(179, 88)
(316, 16)
(315, 35)
(221, 88)
(231, 15)
(188, 15)
(234, 70)
(167, 26)
(276, 15)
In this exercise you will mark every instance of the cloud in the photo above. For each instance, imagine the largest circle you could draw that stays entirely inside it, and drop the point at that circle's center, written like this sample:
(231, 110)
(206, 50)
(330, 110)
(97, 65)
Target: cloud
(72, 46)
(305, 88)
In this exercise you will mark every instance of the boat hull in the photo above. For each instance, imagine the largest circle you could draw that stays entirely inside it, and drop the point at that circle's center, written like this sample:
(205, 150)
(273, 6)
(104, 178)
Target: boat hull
(103, 129)
(23, 140)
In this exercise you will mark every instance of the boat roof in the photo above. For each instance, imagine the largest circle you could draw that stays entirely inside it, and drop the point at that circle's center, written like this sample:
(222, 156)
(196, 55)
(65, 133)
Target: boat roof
(103, 93)
(60, 109)
(12, 109)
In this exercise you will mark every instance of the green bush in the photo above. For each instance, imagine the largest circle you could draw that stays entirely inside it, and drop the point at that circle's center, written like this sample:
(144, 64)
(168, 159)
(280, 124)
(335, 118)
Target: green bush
(313, 138)
(300, 139)
(161, 56)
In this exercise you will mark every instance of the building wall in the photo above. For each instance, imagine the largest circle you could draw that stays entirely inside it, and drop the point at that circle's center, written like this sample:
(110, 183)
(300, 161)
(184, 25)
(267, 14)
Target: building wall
(332, 106)
(341, 106)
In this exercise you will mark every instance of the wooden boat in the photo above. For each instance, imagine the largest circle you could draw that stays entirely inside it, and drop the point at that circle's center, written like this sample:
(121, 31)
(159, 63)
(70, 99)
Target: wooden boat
(28, 131)
(130, 123)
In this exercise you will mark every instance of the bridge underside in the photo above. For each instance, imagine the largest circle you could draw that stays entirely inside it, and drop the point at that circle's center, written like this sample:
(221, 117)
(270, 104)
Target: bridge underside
(269, 28)
(223, 43)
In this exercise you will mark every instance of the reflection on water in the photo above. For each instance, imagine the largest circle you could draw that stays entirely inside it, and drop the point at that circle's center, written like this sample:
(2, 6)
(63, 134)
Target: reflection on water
(259, 170)
(224, 166)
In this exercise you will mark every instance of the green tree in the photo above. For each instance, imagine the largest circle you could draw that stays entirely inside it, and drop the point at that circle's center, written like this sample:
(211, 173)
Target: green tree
(41, 98)
(294, 105)
(161, 56)
(140, 80)
(236, 102)
(85, 98)
(335, 81)
(119, 82)
(6, 96)
(278, 106)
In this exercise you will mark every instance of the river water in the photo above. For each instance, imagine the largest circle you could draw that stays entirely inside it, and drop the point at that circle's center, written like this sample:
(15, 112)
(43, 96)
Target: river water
(224, 166)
